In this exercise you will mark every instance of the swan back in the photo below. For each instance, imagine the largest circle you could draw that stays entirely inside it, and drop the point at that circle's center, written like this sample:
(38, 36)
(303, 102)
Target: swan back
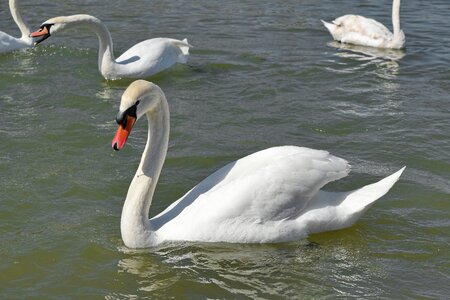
(254, 199)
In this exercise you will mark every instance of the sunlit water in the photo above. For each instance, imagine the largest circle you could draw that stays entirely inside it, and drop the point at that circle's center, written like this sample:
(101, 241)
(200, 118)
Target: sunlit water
(260, 75)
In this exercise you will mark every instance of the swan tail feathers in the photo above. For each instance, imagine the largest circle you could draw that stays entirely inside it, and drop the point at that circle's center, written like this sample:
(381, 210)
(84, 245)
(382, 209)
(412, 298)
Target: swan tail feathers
(184, 47)
(361, 199)
(333, 211)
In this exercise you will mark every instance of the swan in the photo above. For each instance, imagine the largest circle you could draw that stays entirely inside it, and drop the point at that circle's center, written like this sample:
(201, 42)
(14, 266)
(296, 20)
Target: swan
(269, 196)
(358, 30)
(9, 43)
(142, 60)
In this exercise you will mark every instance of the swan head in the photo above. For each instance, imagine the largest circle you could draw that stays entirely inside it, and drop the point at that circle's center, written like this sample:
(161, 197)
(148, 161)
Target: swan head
(53, 25)
(42, 33)
(141, 97)
(48, 28)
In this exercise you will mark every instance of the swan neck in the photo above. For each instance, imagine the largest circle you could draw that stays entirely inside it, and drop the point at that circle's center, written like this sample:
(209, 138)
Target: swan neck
(137, 231)
(106, 60)
(396, 17)
(24, 28)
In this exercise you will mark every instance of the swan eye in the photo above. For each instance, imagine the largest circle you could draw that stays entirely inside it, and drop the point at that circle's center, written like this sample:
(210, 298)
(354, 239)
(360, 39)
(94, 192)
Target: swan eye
(121, 117)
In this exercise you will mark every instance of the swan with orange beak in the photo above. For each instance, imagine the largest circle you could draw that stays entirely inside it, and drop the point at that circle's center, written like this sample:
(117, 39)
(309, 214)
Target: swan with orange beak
(142, 60)
(273, 195)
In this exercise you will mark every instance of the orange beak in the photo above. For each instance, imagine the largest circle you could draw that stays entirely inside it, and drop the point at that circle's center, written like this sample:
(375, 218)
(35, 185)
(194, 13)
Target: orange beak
(122, 134)
(43, 33)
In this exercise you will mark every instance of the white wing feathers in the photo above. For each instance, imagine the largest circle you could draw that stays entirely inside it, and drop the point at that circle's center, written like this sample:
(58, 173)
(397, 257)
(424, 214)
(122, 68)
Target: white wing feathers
(273, 184)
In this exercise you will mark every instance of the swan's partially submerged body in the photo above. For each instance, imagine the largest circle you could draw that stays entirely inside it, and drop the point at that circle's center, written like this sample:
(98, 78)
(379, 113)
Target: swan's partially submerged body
(9, 43)
(358, 30)
(142, 60)
(272, 195)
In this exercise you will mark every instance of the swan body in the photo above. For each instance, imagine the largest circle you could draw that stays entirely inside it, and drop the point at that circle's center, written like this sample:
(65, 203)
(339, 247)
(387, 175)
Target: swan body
(9, 43)
(269, 196)
(142, 60)
(358, 30)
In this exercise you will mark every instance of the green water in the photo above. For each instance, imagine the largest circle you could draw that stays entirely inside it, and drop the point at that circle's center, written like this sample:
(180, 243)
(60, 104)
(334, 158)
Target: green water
(261, 74)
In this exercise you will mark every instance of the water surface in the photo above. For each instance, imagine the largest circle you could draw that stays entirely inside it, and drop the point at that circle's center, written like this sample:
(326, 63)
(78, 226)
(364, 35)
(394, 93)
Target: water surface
(261, 74)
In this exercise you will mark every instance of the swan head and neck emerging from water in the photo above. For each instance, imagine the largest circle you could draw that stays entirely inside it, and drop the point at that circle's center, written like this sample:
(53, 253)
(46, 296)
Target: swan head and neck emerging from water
(106, 59)
(142, 98)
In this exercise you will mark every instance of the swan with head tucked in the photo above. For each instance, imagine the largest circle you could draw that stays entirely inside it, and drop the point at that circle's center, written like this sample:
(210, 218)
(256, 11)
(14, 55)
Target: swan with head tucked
(269, 196)
(142, 60)
(9, 43)
(358, 30)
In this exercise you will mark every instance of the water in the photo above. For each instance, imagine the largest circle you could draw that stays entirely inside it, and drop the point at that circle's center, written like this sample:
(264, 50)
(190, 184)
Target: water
(260, 75)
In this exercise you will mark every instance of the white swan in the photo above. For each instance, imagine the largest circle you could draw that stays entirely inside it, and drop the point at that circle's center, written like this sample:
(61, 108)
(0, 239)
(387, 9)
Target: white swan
(142, 60)
(9, 43)
(270, 196)
(358, 30)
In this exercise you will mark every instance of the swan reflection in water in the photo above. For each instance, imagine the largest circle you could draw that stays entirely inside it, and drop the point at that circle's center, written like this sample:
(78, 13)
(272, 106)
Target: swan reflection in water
(385, 60)
(340, 260)
(367, 53)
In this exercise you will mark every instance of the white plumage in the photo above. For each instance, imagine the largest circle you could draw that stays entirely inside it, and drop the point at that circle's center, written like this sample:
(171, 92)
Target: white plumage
(358, 30)
(142, 60)
(9, 43)
(270, 196)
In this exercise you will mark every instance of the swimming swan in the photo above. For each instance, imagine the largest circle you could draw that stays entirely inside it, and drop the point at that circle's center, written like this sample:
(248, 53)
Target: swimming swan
(142, 60)
(269, 196)
(358, 30)
(9, 43)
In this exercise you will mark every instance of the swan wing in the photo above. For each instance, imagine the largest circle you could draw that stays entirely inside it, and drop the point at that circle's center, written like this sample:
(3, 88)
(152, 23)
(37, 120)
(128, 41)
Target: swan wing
(359, 30)
(271, 185)
(365, 26)
(152, 56)
(357, 38)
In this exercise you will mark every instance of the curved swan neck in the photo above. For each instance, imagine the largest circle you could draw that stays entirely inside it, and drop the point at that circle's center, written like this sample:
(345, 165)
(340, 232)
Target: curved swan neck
(396, 17)
(106, 60)
(24, 28)
(136, 229)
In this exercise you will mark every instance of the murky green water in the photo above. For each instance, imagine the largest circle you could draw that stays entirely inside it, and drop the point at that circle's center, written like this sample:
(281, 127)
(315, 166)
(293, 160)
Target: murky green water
(261, 74)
